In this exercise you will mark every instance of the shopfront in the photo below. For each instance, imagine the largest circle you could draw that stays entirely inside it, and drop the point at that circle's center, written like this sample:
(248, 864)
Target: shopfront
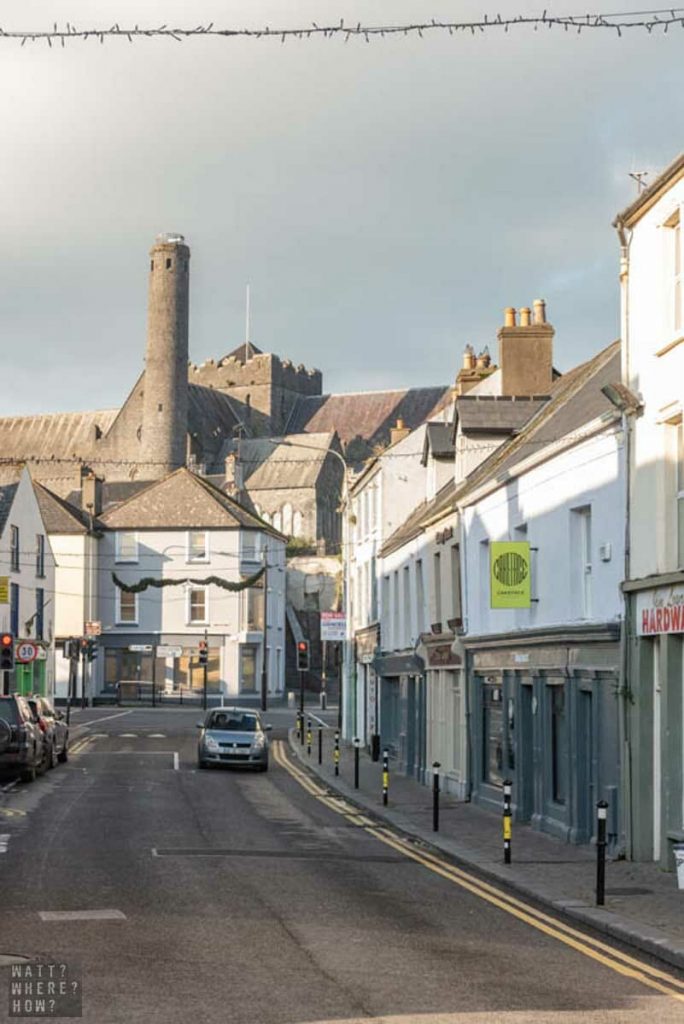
(367, 711)
(446, 710)
(170, 662)
(403, 711)
(546, 716)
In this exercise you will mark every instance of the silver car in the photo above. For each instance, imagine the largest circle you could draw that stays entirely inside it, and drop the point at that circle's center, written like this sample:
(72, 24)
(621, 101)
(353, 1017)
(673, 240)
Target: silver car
(233, 736)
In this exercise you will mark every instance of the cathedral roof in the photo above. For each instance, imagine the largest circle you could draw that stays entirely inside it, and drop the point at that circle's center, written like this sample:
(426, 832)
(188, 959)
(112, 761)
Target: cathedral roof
(244, 352)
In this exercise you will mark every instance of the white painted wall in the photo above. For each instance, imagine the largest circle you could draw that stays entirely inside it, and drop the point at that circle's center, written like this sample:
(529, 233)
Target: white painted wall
(543, 497)
(654, 367)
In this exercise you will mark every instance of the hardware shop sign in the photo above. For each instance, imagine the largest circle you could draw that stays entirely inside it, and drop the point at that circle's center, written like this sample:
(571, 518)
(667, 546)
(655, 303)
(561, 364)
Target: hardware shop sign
(509, 564)
(660, 611)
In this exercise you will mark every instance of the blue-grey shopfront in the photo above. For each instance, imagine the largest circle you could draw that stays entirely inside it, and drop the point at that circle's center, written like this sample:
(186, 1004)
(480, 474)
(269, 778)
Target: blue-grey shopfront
(545, 714)
(403, 711)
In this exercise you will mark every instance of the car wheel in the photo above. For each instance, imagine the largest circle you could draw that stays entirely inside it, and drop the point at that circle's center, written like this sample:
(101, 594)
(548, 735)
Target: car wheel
(28, 774)
(263, 767)
(202, 764)
(63, 755)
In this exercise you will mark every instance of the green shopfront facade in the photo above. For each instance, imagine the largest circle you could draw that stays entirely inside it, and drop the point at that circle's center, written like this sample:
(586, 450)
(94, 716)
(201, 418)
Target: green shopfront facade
(544, 713)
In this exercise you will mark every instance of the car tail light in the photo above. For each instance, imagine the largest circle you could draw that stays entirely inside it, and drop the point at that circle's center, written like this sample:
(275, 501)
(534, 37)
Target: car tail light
(41, 725)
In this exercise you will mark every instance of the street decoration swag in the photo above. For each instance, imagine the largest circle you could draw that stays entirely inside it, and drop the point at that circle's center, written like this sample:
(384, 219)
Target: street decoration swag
(218, 581)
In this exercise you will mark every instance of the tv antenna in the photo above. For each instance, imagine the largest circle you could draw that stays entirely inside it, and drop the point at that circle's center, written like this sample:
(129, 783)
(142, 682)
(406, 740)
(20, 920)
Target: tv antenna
(640, 178)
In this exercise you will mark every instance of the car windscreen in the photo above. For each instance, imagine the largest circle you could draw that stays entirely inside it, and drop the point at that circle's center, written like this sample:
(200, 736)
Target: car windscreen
(233, 722)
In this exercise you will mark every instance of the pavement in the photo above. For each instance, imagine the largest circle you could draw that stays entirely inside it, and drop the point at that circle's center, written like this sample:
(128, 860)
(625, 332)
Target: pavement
(643, 906)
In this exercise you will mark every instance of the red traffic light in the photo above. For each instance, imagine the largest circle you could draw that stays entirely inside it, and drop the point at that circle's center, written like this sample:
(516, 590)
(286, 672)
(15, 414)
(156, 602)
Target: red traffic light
(7, 639)
(302, 645)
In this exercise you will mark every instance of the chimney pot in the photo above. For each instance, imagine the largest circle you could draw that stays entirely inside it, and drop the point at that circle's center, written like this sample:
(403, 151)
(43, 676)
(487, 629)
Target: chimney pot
(468, 358)
(539, 311)
(525, 316)
(509, 316)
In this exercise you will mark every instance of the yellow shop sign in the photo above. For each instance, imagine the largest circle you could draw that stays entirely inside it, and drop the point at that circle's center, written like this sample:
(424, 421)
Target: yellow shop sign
(510, 574)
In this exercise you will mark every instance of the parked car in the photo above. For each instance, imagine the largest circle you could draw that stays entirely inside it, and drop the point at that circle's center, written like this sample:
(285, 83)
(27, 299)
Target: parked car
(22, 744)
(55, 731)
(233, 736)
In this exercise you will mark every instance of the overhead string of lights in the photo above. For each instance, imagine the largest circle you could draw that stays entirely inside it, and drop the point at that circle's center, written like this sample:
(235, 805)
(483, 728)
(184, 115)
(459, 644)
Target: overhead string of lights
(655, 20)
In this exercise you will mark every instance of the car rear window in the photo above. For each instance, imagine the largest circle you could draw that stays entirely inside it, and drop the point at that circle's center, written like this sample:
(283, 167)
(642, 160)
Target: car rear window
(233, 721)
(9, 710)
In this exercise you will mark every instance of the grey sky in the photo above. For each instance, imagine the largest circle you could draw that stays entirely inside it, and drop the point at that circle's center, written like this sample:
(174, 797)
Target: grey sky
(384, 200)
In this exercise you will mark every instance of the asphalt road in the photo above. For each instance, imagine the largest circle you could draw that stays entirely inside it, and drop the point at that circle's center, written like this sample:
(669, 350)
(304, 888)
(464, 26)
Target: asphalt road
(234, 897)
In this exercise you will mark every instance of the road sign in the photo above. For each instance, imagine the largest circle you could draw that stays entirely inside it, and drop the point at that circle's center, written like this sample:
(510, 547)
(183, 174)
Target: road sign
(26, 651)
(333, 626)
(93, 629)
(4, 589)
(141, 648)
(164, 651)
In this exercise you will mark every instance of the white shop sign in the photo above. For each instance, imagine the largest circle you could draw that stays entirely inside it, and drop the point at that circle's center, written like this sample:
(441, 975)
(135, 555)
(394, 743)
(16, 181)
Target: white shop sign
(660, 611)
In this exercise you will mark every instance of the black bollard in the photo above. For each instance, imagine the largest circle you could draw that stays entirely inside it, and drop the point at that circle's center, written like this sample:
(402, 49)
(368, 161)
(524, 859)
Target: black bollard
(308, 737)
(602, 810)
(336, 755)
(320, 744)
(435, 796)
(356, 762)
(507, 820)
(385, 777)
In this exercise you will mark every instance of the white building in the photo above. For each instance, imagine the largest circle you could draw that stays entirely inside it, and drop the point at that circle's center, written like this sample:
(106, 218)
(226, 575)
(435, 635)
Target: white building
(27, 569)
(652, 269)
(543, 678)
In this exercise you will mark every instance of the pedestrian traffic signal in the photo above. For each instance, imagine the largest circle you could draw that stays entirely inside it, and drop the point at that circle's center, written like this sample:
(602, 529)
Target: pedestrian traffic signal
(302, 655)
(6, 652)
(91, 648)
(203, 652)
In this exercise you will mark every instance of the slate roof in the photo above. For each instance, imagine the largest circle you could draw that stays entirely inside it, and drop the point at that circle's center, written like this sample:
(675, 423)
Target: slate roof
(183, 500)
(496, 414)
(283, 465)
(59, 515)
(650, 195)
(366, 414)
(439, 441)
(7, 492)
(52, 435)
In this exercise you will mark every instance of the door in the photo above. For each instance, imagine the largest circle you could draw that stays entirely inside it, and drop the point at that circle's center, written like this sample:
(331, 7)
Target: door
(526, 752)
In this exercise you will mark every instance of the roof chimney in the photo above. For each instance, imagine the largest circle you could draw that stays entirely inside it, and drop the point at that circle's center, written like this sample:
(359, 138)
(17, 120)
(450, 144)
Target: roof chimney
(91, 494)
(469, 358)
(234, 474)
(526, 352)
(399, 432)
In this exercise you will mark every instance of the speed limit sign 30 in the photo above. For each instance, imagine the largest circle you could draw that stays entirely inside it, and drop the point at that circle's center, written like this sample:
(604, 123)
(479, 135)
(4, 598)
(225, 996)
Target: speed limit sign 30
(26, 652)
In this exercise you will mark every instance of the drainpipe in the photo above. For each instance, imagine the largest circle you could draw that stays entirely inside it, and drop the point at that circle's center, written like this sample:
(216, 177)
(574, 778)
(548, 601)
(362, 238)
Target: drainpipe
(467, 659)
(626, 837)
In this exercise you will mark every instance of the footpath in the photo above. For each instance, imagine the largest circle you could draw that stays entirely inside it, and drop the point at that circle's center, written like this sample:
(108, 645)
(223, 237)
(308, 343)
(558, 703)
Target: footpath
(643, 906)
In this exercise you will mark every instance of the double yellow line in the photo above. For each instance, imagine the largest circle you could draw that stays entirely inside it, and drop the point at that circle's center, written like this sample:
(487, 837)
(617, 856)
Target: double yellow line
(604, 954)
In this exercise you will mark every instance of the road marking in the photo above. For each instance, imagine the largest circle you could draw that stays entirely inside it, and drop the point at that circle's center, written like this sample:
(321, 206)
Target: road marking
(156, 735)
(10, 786)
(128, 735)
(80, 745)
(81, 915)
(4, 843)
(105, 718)
(12, 812)
(326, 725)
(175, 761)
(617, 961)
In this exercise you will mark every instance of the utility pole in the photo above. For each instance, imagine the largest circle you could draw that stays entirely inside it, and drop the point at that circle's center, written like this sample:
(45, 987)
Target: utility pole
(205, 666)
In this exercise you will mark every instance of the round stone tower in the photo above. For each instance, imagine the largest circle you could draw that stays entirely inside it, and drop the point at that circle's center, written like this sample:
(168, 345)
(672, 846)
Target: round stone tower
(165, 396)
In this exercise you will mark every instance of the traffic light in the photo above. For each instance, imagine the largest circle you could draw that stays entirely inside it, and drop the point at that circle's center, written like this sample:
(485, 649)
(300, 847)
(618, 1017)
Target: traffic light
(302, 655)
(72, 648)
(6, 652)
(91, 648)
(203, 652)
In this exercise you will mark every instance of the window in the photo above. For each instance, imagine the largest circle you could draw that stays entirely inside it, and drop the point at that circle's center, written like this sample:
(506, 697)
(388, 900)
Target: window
(582, 549)
(492, 733)
(14, 548)
(198, 547)
(407, 606)
(126, 546)
(385, 610)
(127, 611)
(437, 585)
(248, 668)
(559, 742)
(677, 277)
(40, 555)
(14, 609)
(455, 585)
(420, 596)
(680, 494)
(40, 612)
(255, 607)
(395, 611)
(197, 604)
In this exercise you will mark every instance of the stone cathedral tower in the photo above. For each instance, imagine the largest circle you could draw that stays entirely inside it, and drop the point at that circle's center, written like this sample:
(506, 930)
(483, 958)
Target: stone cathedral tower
(165, 399)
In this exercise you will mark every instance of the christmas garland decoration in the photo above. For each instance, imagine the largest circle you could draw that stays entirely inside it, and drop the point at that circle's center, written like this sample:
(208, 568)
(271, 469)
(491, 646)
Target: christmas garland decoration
(217, 581)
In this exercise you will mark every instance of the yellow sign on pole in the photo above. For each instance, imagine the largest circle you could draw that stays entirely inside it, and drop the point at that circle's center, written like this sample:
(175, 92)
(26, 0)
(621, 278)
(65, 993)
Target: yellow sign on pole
(510, 573)
(4, 589)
